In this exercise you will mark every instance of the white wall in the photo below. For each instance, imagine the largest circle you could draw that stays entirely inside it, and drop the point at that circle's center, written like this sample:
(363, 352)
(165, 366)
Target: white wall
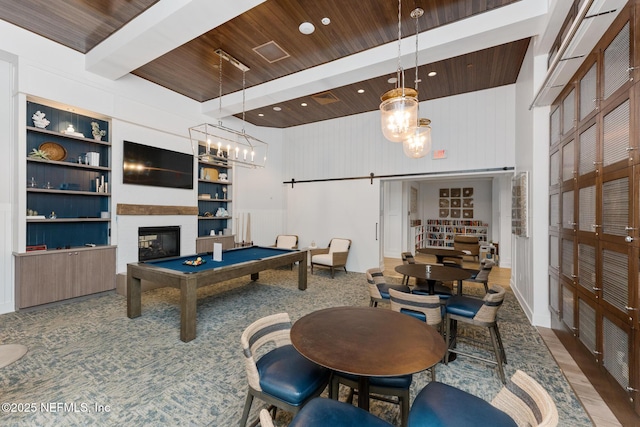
(7, 213)
(477, 130)
(529, 271)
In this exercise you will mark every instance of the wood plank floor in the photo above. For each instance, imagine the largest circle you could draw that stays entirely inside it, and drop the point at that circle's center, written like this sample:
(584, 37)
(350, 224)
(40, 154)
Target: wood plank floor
(601, 414)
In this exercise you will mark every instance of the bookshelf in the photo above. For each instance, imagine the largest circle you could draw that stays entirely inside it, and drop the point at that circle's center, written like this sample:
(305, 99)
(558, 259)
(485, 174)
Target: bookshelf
(440, 232)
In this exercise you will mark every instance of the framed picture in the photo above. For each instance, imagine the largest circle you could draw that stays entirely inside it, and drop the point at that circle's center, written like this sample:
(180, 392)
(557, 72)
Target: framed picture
(467, 203)
(455, 213)
(443, 213)
(467, 192)
(467, 213)
(444, 203)
(455, 192)
(444, 192)
(455, 203)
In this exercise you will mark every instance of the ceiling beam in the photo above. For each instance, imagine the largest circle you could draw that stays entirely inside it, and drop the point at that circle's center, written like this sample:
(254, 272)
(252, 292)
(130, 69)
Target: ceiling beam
(519, 20)
(160, 29)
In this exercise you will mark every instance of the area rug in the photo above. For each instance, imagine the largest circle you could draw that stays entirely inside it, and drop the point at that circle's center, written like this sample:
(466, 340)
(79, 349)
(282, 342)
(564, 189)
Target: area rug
(88, 364)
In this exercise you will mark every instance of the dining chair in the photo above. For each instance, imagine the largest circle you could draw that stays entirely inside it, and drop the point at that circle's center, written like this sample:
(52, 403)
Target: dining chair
(281, 376)
(479, 276)
(522, 402)
(426, 308)
(321, 412)
(481, 313)
(407, 258)
(379, 288)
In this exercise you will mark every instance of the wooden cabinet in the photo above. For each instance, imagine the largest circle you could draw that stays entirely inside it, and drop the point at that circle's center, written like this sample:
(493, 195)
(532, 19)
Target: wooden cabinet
(205, 244)
(48, 276)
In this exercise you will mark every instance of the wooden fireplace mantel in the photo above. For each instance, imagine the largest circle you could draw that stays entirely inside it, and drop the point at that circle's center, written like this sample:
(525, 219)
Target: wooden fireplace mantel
(127, 209)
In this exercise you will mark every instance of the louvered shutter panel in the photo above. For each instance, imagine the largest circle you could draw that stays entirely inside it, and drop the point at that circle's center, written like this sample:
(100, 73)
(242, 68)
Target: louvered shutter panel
(567, 307)
(587, 325)
(554, 211)
(615, 206)
(587, 151)
(567, 209)
(554, 169)
(555, 127)
(615, 279)
(568, 113)
(616, 134)
(616, 352)
(568, 161)
(588, 93)
(554, 292)
(587, 208)
(587, 266)
(567, 258)
(616, 62)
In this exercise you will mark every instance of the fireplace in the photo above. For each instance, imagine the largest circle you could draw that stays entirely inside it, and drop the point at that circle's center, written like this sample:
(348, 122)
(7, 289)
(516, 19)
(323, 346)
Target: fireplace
(158, 242)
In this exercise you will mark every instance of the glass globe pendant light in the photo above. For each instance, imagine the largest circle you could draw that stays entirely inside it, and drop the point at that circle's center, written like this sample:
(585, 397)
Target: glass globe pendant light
(419, 143)
(399, 107)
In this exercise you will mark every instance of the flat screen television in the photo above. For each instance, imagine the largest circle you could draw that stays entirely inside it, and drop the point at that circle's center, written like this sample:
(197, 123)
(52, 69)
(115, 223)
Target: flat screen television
(146, 165)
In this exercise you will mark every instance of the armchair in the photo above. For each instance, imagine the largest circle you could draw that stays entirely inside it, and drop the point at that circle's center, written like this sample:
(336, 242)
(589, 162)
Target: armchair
(287, 241)
(332, 257)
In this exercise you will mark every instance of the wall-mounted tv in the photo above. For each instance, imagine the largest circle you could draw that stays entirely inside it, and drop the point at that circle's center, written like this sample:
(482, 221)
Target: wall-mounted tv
(145, 165)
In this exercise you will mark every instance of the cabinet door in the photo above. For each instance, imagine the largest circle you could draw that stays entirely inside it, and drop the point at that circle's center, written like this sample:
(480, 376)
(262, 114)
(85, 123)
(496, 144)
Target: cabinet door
(94, 271)
(42, 279)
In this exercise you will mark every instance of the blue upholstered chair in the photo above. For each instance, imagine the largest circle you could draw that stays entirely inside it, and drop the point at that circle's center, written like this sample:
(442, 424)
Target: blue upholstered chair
(379, 288)
(322, 412)
(477, 312)
(426, 308)
(281, 377)
(522, 402)
(379, 388)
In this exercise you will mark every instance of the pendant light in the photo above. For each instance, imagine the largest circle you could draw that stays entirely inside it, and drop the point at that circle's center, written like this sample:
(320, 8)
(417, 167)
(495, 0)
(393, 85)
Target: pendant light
(418, 144)
(399, 107)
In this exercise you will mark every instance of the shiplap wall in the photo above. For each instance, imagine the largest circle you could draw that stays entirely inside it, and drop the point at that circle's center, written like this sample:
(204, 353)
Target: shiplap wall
(476, 129)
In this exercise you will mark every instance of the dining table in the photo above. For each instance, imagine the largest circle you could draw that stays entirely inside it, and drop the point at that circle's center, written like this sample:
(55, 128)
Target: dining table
(441, 253)
(429, 275)
(367, 342)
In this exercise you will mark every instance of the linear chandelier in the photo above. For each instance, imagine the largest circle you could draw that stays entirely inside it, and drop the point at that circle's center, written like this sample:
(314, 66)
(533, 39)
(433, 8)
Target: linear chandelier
(221, 145)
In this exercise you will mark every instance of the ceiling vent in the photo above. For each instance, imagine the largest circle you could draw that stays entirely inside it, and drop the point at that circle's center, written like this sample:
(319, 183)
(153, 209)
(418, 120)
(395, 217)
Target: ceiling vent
(271, 52)
(325, 98)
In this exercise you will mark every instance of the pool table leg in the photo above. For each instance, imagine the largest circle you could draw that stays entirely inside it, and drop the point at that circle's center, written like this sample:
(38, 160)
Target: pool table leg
(302, 272)
(134, 296)
(188, 302)
(255, 276)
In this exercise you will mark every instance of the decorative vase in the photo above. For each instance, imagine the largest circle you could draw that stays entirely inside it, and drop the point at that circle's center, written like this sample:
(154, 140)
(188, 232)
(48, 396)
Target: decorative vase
(97, 137)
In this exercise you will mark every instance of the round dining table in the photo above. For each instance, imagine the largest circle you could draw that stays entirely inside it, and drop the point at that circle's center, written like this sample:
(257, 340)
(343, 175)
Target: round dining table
(367, 342)
(437, 273)
(441, 253)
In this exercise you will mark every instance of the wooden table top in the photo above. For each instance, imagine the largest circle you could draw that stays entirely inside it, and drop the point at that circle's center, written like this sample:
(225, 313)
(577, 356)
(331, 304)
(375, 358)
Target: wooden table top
(438, 273)
(367, 341)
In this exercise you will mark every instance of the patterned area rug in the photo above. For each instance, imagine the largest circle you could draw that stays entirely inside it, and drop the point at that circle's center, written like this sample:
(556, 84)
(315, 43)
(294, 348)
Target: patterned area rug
(88, 364)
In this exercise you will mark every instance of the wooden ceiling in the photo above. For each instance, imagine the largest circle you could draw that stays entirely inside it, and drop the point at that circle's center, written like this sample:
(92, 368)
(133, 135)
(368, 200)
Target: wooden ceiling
(193, 69)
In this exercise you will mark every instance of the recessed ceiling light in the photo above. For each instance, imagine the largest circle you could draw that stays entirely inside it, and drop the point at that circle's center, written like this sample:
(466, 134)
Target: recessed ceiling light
(304, 104)
(432, 73)
(360, 90)
(392, 80)
(260, 115)
(306, 28)
(277, 109)
(326, 21)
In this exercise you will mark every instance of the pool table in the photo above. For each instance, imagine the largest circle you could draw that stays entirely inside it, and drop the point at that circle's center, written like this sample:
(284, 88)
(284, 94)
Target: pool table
(175, 273)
